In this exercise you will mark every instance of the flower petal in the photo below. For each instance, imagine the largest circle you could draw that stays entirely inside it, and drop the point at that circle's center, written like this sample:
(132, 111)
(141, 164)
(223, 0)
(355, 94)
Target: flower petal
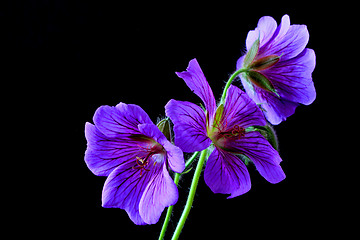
(125, 186)
(264, 156)
(227, 174)
(175, 157)
(123, 189)
(189, 125)
(275, 109)
(174, 154)
(288, 41)
(104, 154)
(160, 192)
(152, 131)
(120, 120)
(241, 110)
(196, 81)
(265, 29)
(292, 78)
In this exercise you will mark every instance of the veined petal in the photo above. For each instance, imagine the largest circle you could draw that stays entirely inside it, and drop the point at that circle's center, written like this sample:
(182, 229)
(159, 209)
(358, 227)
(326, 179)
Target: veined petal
(281, 30)
(175, 156)
(104, 154)
(189, 125)
(292, 78)
(196, 81)
(264, 156)
(288, 40)
(123, 189)
(125, 186)
(276, 109)
(240, 110)
(152, 131)
(265, 30)
(121, 120)
(160, 192)
(227, 174)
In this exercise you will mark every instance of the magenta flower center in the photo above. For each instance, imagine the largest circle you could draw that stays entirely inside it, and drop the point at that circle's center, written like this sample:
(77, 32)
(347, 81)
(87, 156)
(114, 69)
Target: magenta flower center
(145, 156)
(220, 135)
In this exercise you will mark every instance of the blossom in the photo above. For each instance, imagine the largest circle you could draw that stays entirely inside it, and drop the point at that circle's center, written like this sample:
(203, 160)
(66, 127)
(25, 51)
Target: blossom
(224, 127)
(279, 75)
(128, 148)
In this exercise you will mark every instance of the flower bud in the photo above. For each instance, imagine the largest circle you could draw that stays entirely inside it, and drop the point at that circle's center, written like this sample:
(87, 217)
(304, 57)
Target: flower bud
(165, 128)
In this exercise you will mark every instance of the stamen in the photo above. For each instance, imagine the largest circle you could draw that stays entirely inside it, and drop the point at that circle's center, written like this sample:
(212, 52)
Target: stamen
(142, 163)
(235, 132)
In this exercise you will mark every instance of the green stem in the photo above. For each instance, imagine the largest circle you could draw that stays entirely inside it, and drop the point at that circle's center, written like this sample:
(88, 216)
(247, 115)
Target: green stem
(191, 196)
(191, 159)
(232, 77)
(170, 208)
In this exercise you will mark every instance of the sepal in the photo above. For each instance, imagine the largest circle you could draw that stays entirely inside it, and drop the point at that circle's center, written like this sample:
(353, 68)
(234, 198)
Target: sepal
(268, 133)
(251, 54)
(261, 81)
(264, 62)
(165, 127)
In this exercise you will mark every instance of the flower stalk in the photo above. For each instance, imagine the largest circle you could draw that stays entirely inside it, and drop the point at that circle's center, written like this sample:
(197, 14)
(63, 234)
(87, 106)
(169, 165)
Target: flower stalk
(228, 83)
(191, 196)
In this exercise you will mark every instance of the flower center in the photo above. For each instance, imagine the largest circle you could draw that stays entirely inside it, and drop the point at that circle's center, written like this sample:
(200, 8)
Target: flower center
(235, 132)
(220, 136)
(142, 163)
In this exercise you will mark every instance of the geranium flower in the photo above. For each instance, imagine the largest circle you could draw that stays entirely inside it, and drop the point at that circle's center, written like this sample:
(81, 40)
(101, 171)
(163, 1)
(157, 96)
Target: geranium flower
(130, 150)
(279, 68)
(224, 127)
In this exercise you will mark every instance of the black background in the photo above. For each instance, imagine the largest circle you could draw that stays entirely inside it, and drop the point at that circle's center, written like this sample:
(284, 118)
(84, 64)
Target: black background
(64, 59)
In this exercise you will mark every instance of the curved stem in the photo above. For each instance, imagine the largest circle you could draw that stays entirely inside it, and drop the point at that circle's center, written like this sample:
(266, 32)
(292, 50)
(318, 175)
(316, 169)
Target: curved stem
(191, 159)
(232, 77)
(191, 196)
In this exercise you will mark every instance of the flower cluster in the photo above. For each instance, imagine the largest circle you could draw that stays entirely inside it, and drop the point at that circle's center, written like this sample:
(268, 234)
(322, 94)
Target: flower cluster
(139, 157)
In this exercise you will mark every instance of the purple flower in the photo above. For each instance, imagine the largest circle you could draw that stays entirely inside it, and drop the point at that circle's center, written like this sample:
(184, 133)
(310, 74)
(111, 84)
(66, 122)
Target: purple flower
(280, 68)
(127, 147)
(224, 127)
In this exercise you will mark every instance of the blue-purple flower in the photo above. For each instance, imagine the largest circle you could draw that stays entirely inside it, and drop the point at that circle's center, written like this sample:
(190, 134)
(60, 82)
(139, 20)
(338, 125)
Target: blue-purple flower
(133, 153)
(224, 127)
(279, 75)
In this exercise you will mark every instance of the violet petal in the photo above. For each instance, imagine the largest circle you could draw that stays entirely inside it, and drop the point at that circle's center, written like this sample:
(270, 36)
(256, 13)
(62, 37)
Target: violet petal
(227, 174)
(264, 156)
(189, 125)
(160, 192)
(196, 81)
(241, 110)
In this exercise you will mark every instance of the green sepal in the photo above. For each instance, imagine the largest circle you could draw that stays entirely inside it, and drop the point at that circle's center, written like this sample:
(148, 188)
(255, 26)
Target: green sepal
(265, 62)
(251, 54)
(186, 171)
(218, 115)
(165, 128)
(268, 133)
(245, 159)
(261, 81)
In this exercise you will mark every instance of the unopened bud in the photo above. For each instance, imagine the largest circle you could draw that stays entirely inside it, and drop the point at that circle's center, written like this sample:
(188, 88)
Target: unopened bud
(165, 128)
